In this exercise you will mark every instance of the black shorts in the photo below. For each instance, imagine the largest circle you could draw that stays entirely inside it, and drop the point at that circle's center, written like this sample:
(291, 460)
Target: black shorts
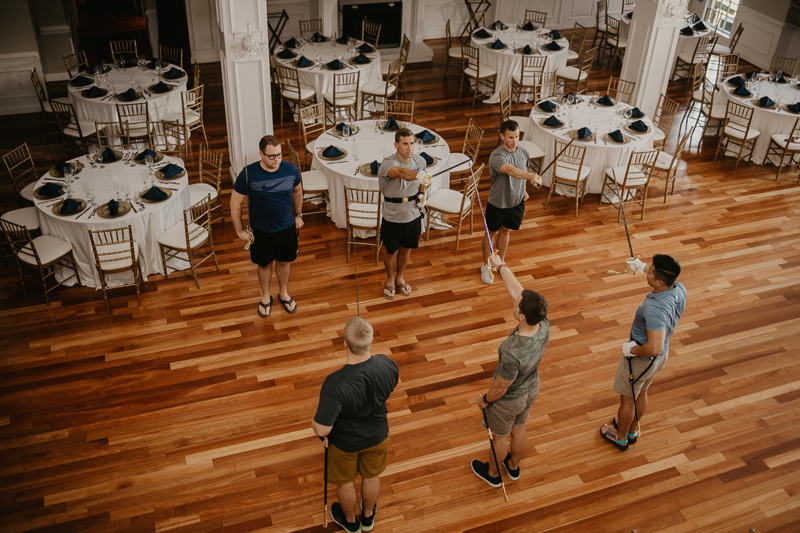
(510, 217)
(279, 246)
(397, 234)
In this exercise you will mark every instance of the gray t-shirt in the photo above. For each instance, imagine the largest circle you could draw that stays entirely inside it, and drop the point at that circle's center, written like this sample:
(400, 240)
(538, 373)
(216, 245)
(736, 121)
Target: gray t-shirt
(398, 188)
(519, 359)
(507, 191)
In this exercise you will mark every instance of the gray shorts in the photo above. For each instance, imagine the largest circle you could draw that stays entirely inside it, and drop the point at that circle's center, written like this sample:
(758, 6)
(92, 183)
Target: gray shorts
(503, 414)
(622, 382)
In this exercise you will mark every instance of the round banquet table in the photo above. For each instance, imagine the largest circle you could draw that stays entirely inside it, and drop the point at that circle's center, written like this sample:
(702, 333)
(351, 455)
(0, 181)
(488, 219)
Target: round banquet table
(104, 109)
(600, 154)
(146, 225)
(767, 121)
(320, 77)
(508, 61)
(372, 146)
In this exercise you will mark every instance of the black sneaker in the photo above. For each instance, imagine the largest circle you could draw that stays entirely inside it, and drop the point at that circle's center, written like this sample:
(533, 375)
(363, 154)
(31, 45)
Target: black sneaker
(482, 471)
(368, 523)
(337, 513)
(512, 473)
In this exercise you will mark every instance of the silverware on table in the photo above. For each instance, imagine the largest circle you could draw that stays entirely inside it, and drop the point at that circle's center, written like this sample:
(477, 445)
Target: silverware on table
(94, 211)
(132, 207)
(54, 203)
(88, 207)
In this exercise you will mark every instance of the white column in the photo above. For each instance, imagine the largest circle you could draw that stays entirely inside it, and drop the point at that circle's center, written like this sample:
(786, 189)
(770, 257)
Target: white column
(245, 79)
(329, 13)
(652, 42)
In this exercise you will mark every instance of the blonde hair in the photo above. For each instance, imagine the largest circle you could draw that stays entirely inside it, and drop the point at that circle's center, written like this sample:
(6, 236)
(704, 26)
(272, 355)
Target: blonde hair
(358, 336)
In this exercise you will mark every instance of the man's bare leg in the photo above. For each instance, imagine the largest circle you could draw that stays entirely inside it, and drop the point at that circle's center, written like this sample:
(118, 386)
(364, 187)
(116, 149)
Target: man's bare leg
(503, 237)
(390, 263)
(402, 258)
(283, 270)
(486, 249)
(348, 498)
(370, 488)
(264, 279)
(519, 440)
(501, 449)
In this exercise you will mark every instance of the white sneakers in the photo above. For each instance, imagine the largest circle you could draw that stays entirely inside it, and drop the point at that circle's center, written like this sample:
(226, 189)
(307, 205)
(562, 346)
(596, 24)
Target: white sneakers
(486, 275)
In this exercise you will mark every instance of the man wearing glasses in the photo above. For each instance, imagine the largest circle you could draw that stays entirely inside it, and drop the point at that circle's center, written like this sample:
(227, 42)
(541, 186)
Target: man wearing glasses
(275, 194)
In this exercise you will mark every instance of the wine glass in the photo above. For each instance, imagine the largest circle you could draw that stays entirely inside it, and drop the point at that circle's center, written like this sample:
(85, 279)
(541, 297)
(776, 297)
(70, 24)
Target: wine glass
(778, 75)
(97, 69)
(115, 184)
(126, 192)
(355, 151)
(628, 113)
(333, 40)
(345, 131)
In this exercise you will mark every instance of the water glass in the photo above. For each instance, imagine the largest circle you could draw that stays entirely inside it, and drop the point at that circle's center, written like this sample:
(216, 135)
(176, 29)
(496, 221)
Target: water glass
(345, 131)
(115, 184)
(126, 192)
(333, 40)
(355, 151)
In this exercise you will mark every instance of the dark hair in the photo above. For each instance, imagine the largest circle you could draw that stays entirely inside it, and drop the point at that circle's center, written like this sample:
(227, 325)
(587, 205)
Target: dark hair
(508, 125)
(666, 269)
(534, 306)
(402, 132)
(270, 140)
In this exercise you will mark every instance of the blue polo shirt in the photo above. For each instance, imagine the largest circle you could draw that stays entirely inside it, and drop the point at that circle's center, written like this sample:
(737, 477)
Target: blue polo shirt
(270, 195)
(659, 312)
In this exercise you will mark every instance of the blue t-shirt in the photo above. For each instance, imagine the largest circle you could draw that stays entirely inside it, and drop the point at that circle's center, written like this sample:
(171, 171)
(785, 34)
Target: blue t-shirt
(270, 195)
(659, 312)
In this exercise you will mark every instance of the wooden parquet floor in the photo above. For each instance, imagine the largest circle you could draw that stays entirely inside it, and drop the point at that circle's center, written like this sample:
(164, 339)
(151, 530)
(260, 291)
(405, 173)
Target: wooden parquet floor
(192, 414)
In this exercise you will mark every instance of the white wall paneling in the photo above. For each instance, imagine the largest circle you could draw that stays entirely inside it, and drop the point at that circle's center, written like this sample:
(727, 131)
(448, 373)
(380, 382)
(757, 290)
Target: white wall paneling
(438, 12)
(759, 39)
(297, 11)
(152, 29)
(584, 12)
(244, 13)
(55, 42)
(203, 30)
(251, 102)
(16, 90)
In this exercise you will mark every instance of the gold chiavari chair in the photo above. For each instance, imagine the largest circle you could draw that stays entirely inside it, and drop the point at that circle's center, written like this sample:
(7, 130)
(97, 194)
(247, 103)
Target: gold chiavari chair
(74, 62)
(577, 42)
(459, 204)
(363, 212)
(570, 171)
(72, 128)
(312, 122)
(668, 165)
(384, 90)
(686, 61)
(292, 91)
(620, 89)
(114, 135)
(663, 119)
(188, 237)
(469, 152)
(209, 184)
(20, 167)
(399, 110)
(453, 52)
(344, 96)
(737, 134)
(782, 145)
(532, 67)
(483, 75)
(786, 65)
(138, 116)
(576, 79)
(50, 119)
(114, 252)
(537, 18)
(123, 48)
(310, 27)
(721, 49)
(173, 55)
(600, 23)
(633, 178)
(614, 43)
(190, 116)
(165, 137)
(370, 32)
(696, 78)
(505, 105)
(315, 185)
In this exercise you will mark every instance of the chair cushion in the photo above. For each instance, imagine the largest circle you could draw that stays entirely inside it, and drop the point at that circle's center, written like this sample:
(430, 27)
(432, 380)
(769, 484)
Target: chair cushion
(721, 49)
(448, 201)
(571, 174)
(175, 237)
(658, 135)
(521, 121)
(528, 81)
(198, 191)
(306, 92)
(377, 88)
(571, 73)
(88, 127)
(27, 191)
(49, 248)
(385, 67)
(686, 57)
(751, 133)
(717, 113)
(341, 101)
(698, 95)
(664, 162)
(534, 151)
(139, 132)
(191, 117)
(314, 181)
(779, 138)
(634, 178)
(486, 72)
(602, 27)
(572, 55)
(24, 217)
(455, 51)
(121, 257)
(360, 219)
(458, 157)
(623, 42)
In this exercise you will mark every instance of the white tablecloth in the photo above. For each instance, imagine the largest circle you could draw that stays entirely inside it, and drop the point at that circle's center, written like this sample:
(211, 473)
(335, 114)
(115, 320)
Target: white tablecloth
(767, 121)
(104, 109)
(600, 155)
(146, 225)
(508, 62)
(371, 146)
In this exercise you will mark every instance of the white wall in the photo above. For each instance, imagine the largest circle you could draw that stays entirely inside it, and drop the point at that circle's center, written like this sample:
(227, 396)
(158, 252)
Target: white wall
(19, 55)
(203, 30)
(759, 40)
(54, 37)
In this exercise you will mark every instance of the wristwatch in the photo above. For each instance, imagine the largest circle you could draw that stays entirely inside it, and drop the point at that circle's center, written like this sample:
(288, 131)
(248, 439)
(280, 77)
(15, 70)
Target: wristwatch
(299, 215)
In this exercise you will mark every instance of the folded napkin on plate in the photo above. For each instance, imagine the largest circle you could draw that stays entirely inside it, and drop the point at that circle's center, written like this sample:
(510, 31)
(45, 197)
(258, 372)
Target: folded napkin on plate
(130, 62)
(794, 108)
(51, 189)
(527, 50)
(498, 25)
(286, 54)
(548, 106)
(95, 92)
(63, 165)
(157, 63)
(161, 87)
(130, 95)
(498, 44)
(638, 126)
(81, 81)
(374, 167)
(361, 59)
(482, 34)
(636, 113)
(343, 39)
(687, 30)
(335, 65)
(629, 15)
(695, 17)
(68, 206)
(304, 62)
(108, 156)
(553, 122)
(291, 43)
(555, 35)
(741, 91)
(776, 79)
(340, 126)
(113, 207)
(584, 133)
(765, 101)
(552, 45)
(332, 151)
(171, 170)
(529, 26)
(155, 194)
(736, 82)
(428, 159)
(174, 73)
(700, 26)
(391, 124)
(616, 136)
(366, 49)
(605, 100)
(317, 37)
(145, 153)
(426, 136)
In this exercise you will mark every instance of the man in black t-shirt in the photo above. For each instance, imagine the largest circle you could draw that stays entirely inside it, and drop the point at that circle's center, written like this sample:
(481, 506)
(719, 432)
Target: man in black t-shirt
(352, 414)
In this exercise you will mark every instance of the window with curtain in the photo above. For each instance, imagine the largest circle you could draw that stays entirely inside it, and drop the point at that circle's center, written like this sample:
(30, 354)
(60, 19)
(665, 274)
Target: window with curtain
(728, 9)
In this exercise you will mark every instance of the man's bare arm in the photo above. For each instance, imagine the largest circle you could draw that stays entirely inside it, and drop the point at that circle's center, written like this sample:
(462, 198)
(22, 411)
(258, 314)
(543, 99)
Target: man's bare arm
(237, 200)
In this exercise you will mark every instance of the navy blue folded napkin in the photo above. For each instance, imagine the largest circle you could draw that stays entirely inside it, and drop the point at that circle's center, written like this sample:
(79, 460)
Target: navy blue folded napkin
(145, 153)
(529, 26)
(161, 87)
(555, 35)
(343, 39)
(616, 136)
(498, 44)
(374, 167)
(584, 133)
(157, 63)
(391, 124)
(63, 165)
(629, 15)
(340, 126)
(605, 100)
(779, 80)
(304, 62)
(638, 126)
(527, 50)
(108, 156)
(174, 73)
(552, 45)
(741, 91)
(171, 170)
(695, 17)
(794, 108)
(498, 25)
(332, 151)
(113, 207)
(428, 159)
(155, 194)
(765, 101)
(566, 97)
(68, 206)
(291, 43)
(366, 49)
(548, 106)
(361, 59)
(636, 113)
(553, 122)
(286, 54)
(700, 26)
(736, 82)
(51, 189)
(130, 95)
(482, 34)
(752, 74)
(95, 92)
(81, 81)
(318, 37)
(687, 30)
(335, 65)
(426, 136)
